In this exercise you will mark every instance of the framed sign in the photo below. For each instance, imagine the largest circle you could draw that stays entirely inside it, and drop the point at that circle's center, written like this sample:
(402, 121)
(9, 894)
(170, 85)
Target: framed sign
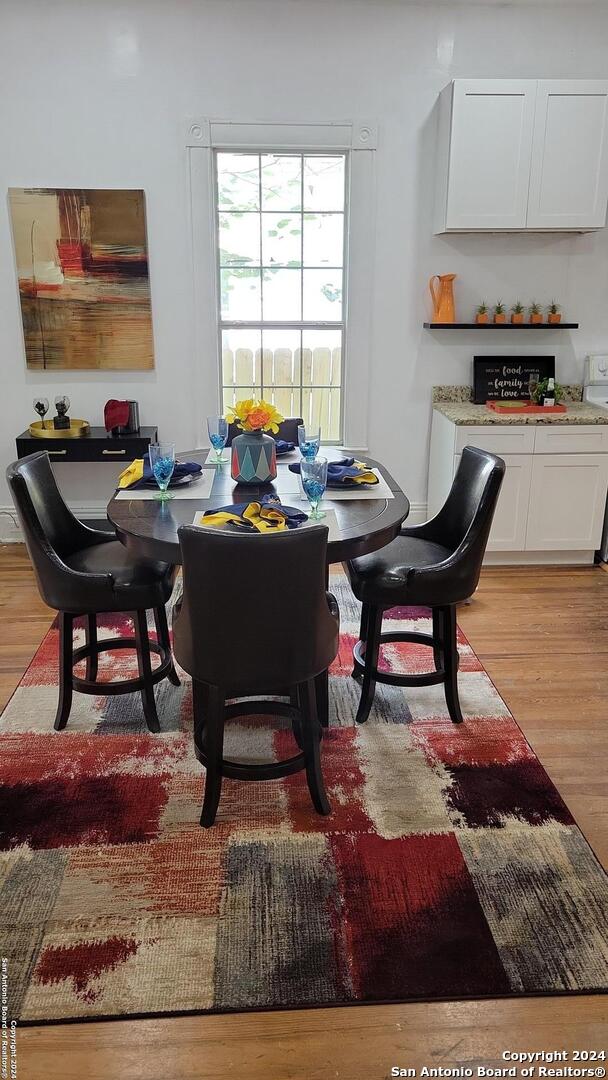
(506, 378)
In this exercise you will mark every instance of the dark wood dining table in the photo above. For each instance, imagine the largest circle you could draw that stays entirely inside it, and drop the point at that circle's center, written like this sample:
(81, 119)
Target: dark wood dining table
(148, 527)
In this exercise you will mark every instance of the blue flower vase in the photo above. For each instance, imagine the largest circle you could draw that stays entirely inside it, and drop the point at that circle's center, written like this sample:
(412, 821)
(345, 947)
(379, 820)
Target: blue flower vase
(254, 458)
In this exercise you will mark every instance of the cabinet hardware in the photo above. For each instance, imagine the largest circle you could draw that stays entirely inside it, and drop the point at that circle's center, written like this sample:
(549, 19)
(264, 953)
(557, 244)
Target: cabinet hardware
(113, 451)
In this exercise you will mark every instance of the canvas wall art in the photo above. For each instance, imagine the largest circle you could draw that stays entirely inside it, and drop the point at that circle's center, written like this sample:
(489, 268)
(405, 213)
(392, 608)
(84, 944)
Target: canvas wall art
(82, 264)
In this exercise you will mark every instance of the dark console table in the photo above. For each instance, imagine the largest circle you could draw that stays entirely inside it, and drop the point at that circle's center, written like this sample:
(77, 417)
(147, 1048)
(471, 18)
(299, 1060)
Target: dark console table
(98, 445)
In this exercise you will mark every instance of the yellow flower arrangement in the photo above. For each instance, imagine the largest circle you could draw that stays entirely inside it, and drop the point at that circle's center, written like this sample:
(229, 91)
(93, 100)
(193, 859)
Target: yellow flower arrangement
(254, 415)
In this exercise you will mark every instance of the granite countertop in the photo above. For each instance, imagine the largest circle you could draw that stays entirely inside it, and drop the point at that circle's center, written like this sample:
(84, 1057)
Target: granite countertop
(464, 412)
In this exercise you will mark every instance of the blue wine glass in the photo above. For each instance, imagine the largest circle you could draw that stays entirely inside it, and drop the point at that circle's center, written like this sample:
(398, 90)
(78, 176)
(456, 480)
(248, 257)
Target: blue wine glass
(314, 482)
(218, 435)
(162, 463)
(309, 441)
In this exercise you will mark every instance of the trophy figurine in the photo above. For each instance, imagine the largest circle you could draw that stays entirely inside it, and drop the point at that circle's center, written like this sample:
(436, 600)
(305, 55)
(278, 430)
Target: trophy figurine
(61, 422)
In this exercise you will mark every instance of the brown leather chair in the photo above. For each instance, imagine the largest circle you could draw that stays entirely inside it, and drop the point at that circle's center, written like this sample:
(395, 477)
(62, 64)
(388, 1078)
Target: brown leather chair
(255, 619)
(83, 571)
(288, 430)
(434, 565)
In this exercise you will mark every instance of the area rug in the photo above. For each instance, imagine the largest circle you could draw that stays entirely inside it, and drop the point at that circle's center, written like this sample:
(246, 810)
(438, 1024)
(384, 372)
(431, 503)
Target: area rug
(449, 868)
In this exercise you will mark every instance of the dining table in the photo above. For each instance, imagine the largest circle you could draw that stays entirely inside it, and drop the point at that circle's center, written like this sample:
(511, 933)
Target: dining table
(358, 524)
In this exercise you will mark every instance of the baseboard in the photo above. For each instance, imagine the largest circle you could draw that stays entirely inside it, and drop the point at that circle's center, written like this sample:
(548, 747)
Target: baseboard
(10, 533)
(417, 514)
(539, 558)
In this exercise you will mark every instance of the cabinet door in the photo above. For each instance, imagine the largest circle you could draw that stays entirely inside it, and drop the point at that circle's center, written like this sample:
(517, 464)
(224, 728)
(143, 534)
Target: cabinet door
(567, 502)
(569, 175)
(490, 152)
(508, 531)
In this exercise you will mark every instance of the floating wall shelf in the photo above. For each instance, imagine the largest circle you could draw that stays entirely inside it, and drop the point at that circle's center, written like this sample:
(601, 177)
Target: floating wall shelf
(500, 326)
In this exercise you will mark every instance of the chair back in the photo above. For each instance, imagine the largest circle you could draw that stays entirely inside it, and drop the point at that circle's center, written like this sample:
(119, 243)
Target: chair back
(50, 530)
(463, 524)
(288, 430)
(254, 616)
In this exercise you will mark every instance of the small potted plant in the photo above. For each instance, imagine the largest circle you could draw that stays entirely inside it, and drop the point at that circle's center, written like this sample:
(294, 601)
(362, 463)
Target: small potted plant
(517, 312)
(539, 391)
(536, 315)
(555, 315)
(499, 312)
(482, 313)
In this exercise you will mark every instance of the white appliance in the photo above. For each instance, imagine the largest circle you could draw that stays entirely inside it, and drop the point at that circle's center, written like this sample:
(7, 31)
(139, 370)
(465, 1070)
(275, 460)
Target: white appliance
(596, 392)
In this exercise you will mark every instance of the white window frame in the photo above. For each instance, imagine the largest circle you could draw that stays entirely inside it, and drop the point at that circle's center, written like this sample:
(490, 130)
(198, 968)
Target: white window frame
(358, 140)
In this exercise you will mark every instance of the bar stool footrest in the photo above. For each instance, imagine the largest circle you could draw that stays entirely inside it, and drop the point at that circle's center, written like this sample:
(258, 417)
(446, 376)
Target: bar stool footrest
(122, 686)
(427, 678)
(240, 770)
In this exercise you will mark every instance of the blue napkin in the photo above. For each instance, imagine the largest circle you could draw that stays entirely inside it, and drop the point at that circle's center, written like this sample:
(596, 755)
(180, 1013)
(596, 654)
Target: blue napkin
(284, 447)
(181, 470)
(345, 473)
(261, 515)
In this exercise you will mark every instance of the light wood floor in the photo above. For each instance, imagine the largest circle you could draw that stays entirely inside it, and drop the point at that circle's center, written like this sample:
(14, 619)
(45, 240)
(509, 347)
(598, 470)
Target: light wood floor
(542, 635)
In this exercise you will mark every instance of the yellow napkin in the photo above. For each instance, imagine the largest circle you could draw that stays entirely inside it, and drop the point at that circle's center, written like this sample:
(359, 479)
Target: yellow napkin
(132, 473)
(366, 476)
(261, 518)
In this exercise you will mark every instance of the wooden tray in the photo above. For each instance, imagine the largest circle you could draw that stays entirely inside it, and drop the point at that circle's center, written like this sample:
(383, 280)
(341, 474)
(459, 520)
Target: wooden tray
(43, 429)
(524, 409)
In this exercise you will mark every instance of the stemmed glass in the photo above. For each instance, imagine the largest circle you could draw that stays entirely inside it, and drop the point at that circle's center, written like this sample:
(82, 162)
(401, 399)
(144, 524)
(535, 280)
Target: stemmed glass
(162, 463)
(41, 405)
(314, 482)
(218, 435)
(309, 441)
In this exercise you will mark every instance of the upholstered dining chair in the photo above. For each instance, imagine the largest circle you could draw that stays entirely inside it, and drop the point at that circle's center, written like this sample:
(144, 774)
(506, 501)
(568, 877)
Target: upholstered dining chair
(255, 619)
(288, 430)
(437, 565)
(87, 572)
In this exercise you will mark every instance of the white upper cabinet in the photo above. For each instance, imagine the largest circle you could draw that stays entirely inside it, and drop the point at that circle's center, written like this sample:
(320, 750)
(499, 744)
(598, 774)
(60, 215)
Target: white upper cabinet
(569, 177)
(519, 154)
(489, 153)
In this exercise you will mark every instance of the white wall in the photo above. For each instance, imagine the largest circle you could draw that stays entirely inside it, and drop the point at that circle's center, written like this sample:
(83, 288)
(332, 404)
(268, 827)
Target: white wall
(94, 94)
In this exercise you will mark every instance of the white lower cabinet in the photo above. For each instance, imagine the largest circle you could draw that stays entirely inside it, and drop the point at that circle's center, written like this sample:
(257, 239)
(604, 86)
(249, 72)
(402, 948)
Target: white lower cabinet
(552, 501)
(567, 501)
(510, 520)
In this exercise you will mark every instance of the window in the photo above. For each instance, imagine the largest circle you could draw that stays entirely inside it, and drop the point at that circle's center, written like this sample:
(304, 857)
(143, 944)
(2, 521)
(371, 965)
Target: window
(281, 229)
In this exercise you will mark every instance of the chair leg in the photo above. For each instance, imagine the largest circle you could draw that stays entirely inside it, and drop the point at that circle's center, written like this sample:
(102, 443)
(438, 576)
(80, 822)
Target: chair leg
(200, 698)
(66, 661)
(91, 640)
(311, 739)
(451, 664)
(214, 747)
(365, 610)
(296, 723)
(322, 692)
(438, 635)
(144, 665)
(372, 652)
(162, 633)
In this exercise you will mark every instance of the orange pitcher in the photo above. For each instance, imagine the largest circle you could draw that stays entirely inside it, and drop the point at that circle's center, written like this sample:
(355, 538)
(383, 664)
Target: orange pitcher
(443, 298)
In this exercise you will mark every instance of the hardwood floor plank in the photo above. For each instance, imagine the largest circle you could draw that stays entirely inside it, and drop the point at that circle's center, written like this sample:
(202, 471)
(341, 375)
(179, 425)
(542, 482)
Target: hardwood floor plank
(358, 1043)
(542, 634)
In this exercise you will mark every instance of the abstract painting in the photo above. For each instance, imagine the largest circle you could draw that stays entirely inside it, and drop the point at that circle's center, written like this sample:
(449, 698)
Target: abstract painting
(82, 264)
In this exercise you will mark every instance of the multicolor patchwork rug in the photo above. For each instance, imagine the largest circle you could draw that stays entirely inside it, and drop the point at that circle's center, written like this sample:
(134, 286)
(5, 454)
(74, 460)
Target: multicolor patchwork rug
(449, 868)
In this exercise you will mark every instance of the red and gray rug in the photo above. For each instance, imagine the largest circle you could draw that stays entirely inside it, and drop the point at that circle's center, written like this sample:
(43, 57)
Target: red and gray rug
(449, 868)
